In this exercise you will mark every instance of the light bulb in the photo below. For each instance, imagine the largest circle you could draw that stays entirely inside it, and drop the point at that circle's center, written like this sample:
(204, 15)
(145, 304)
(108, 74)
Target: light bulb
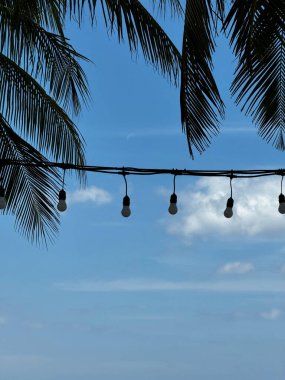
(2, 198)
(126, 211)
(62, 206)
(281, 207)
(172, 209)
(228, 213)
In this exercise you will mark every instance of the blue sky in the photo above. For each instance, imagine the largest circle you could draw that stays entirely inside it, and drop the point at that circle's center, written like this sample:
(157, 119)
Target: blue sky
(153, 296)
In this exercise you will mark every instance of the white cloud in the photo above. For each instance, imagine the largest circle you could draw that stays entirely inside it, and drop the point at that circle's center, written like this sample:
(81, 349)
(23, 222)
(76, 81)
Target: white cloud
(236, 267)
(91, 194)
(155, 285)
(255, 210)
(271, 315)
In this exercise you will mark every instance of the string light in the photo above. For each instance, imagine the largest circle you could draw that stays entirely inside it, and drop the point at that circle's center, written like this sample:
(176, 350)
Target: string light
(172, 209)
(126, 211)
(281, 207)
(228, 213)
(62, 206)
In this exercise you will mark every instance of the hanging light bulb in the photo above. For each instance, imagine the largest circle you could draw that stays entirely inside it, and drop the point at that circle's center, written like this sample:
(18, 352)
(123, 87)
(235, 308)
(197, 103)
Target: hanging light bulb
(228, 213)
(281, 207)
(126, 211)
(172, 209)
(229, 209)
(2, 198)
(62, 206)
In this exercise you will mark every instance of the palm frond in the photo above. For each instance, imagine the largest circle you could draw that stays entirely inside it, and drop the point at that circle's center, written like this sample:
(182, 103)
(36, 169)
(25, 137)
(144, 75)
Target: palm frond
(48, 57)
(218, 12)
(257, 35)
(31, 191)
(174, 6)
(130, 17)
(199, 97)
(47, 13)
(75, 8)
(38, 117)
(141, 28)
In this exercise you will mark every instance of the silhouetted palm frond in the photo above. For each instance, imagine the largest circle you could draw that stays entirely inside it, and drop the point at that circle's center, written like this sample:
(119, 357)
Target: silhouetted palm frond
(31, 192)
(175, 6)
(129, 18)
(257, 34)
(199, 98)
(141, 27)
(46, 55)
(47, 13)
(39, 118)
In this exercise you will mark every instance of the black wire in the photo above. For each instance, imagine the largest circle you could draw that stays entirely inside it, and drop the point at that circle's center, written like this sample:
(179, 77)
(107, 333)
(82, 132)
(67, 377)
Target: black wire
(63, 179)
(231, 185)
(174, 183)
(150, 171)
(126, 183)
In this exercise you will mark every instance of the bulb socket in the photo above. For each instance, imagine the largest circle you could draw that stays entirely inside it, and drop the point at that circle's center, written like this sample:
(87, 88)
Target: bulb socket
(281, 198)
(230, 203)
(173, 198)
(62, 195)
(126, 201)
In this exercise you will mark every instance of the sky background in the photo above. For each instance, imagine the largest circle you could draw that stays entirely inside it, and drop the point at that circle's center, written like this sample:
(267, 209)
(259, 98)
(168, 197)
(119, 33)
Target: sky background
(153, 296)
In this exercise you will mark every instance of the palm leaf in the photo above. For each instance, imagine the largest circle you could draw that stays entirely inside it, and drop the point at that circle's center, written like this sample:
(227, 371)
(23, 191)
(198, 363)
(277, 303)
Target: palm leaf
(174, 5)
(31, 191)
(257, 34)
(46, 55)
(141, 28)
(130, 17)
(199, 96)
(38, 117)
(47, 13)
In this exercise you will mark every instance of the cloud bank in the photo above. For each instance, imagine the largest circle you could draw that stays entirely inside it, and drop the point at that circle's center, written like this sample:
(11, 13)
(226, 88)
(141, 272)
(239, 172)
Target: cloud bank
(256, 213)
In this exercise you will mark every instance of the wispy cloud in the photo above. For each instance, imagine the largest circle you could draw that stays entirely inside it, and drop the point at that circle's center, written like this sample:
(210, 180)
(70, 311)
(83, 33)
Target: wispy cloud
(255, 210)
(236, 268)
(91, 194)
(154, 133)
(271, 315)
(153, 285)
